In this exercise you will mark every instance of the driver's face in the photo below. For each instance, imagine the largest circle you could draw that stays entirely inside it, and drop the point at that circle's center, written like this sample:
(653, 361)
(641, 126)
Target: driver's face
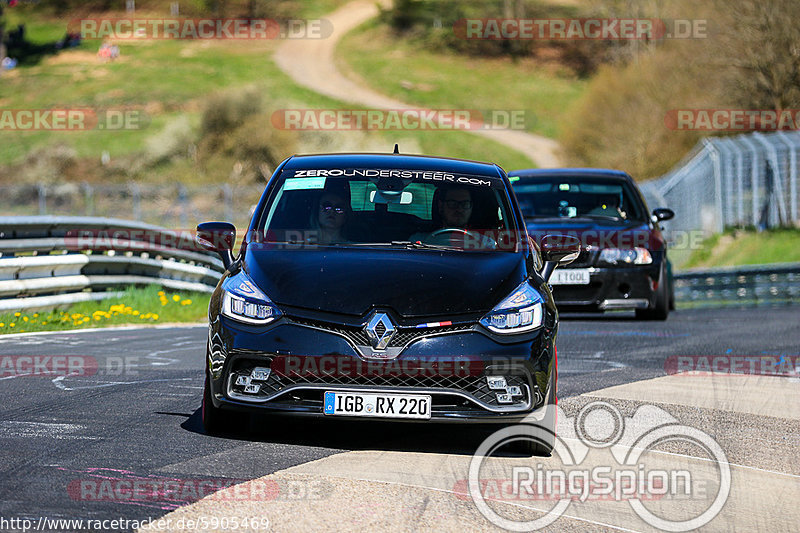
(456, 208)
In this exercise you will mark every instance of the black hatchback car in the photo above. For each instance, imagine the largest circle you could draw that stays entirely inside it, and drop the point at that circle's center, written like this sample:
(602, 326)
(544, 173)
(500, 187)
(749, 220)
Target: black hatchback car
(623, 263)
(384, 286)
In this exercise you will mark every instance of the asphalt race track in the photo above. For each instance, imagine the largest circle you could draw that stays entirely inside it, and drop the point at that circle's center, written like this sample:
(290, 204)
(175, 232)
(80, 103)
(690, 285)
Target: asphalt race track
(136, 418)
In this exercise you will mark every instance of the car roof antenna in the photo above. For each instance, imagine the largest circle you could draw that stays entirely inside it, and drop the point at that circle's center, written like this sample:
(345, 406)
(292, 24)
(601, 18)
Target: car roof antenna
(396, 149)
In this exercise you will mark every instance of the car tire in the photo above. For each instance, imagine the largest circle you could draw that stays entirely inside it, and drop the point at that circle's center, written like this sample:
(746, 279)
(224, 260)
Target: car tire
(532, 447)
(660, 310)
(542, 439)
(672, 295)
(217, 421)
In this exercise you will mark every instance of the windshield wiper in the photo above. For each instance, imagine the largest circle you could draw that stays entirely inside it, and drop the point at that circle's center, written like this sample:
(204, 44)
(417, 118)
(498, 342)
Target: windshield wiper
(419, 245)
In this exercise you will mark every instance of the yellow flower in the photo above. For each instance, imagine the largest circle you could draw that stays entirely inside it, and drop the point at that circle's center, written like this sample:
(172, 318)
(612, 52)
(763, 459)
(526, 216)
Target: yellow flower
(35, 315)
(135, 312)
(76, 316)
(24, 319)
(175, 298)
(2, 325)
(17, 314)
(186, 302)
(155, 316)
(12, 325)
(161, 293)
(86, 319)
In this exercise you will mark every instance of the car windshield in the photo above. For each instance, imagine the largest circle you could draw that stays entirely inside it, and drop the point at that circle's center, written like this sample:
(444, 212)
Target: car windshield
(416, 209)
(572, 198)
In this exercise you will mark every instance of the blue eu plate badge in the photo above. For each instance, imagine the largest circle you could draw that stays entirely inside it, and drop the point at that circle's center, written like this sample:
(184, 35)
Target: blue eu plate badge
(329, 402)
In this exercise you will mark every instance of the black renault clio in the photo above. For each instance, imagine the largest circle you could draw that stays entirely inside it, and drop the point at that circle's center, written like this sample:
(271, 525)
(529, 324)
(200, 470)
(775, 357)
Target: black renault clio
(387, 286)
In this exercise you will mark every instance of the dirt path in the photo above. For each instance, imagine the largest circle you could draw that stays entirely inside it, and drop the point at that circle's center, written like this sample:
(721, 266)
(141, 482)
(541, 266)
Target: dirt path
(310, 63)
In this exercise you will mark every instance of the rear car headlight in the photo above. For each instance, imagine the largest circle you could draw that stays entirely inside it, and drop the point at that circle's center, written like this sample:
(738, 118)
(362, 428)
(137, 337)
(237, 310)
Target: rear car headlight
(631, 256)
(243, 301)
(520, 312)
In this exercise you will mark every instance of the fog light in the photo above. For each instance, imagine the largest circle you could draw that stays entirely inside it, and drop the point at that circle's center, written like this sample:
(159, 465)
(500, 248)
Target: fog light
(242, 380)
(514, 390)
(504, 398)
(260, 373)
(496, 382)
(252, 389)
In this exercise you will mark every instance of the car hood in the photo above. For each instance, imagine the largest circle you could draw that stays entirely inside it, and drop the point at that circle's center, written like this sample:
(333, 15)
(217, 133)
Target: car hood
(412, 283)
(599, 233)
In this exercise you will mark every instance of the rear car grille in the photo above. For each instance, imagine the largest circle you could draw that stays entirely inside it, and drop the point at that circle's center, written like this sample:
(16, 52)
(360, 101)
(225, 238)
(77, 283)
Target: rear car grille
(402, 337)
(307, 388)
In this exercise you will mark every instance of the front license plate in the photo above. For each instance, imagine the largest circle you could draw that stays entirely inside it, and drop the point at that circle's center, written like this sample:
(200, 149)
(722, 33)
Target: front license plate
(378, 404)
(570, 276)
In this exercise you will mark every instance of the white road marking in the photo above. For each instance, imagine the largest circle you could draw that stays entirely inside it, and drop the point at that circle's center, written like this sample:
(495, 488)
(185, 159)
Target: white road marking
(13, 428)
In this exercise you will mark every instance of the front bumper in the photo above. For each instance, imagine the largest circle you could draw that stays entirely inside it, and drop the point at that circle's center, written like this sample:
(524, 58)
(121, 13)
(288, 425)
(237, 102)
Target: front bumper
(306, 360)
(624, 287)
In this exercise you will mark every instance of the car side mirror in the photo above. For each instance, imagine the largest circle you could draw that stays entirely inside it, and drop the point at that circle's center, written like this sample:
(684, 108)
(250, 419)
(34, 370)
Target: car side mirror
(558, 250)
(217, 237)
(662, 213)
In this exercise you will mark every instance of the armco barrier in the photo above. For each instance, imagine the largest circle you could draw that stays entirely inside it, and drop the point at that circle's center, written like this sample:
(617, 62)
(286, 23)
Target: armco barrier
(744, 285)
(42, 263)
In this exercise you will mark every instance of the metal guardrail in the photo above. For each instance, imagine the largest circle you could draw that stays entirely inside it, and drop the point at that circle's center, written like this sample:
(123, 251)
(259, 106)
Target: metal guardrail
(740, 285)
(54, 260)
(43, 265)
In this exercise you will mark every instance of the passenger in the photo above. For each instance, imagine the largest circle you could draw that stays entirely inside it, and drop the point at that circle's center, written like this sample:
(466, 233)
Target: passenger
(329, 220)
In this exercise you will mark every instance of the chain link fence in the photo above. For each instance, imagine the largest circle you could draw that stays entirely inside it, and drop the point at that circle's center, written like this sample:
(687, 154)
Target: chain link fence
(174, 206)
(738, 181)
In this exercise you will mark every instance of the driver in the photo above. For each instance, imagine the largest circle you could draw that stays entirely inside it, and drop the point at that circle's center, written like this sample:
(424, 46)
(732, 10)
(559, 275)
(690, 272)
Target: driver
(609, 207)
(455, 210)
(455, 207)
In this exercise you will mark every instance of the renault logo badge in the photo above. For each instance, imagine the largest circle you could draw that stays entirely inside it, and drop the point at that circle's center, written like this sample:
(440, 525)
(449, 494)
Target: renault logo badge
(380, 330)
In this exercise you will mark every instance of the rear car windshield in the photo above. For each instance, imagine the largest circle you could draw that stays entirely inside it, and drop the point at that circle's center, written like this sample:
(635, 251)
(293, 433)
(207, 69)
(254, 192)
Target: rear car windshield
(573, 198)
(358, 207)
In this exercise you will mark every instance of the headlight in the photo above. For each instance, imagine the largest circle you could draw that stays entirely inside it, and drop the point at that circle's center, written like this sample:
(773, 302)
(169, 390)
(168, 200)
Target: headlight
(243, 301)
(520, 312)
(631, 256)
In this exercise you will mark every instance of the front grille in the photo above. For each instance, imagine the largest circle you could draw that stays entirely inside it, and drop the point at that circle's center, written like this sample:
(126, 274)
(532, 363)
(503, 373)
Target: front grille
(474, 386)
(402, 337)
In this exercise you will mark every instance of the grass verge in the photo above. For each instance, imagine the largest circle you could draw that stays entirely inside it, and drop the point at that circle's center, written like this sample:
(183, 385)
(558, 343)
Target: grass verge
(172, 79)
(438, 79)
(737, 247)
(149, 305)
